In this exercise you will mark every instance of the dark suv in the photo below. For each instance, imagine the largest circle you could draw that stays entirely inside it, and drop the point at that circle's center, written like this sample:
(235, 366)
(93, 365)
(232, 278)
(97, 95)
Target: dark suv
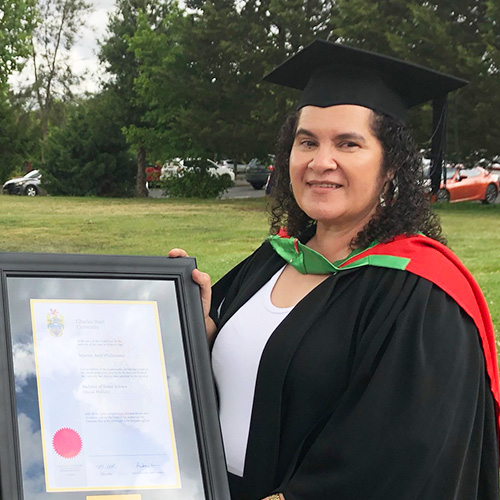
(257, 173)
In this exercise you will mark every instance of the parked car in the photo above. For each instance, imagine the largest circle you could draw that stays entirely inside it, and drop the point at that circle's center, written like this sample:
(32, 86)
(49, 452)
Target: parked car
(220, 169)
(28, 185)
(172, 167)
(177, 165)
(469, 184)
(494, 166)
(269, 182)
(257, 173)
(153, 173)
(240, 167)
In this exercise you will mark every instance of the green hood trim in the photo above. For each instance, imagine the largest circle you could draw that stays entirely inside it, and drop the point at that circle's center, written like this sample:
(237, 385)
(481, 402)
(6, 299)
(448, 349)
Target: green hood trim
(308, 261)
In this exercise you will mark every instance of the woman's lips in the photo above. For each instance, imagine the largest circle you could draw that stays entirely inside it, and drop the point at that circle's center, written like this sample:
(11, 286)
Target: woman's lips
(327, 185)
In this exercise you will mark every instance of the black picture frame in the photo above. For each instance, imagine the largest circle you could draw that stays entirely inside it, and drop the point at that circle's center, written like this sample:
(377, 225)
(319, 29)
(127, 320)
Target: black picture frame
(28, 277)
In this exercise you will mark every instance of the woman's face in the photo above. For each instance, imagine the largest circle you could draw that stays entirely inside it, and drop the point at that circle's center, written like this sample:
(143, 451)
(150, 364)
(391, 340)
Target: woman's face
(336, 166)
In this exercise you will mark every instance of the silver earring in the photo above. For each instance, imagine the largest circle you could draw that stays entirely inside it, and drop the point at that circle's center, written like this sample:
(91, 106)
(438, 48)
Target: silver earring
(389, 190)
(395, 189)
(381, 199)
(383, 192)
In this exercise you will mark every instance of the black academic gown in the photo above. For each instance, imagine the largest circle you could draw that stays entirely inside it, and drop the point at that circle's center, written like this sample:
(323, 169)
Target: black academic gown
(373, 387)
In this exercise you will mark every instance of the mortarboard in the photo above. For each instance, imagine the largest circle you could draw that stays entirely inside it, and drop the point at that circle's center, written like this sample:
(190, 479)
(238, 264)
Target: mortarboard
(330, 74)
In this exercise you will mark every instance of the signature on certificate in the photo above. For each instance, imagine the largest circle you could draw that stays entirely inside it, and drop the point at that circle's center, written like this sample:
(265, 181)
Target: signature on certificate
(143, 465)
(105, 466)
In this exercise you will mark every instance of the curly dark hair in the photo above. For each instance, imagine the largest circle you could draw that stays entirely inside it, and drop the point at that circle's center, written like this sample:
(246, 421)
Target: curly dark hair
(406, 208)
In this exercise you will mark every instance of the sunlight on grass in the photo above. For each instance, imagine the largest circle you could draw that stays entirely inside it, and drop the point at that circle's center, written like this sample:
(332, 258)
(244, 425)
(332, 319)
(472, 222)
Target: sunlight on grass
(218, 233)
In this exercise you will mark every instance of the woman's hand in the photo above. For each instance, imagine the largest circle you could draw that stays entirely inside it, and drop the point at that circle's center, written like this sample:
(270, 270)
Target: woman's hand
(204, 282)
(275, 497)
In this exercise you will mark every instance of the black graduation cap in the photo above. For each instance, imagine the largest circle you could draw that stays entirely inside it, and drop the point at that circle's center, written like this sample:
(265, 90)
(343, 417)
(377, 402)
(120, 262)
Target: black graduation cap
(330, 74)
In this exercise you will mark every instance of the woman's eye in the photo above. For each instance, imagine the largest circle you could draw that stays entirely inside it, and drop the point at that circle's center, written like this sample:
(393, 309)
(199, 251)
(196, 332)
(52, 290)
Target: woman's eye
(349, 145)
(308, 143)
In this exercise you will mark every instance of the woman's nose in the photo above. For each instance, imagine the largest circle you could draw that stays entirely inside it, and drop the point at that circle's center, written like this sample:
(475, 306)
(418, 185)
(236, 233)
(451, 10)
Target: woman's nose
(323, 159)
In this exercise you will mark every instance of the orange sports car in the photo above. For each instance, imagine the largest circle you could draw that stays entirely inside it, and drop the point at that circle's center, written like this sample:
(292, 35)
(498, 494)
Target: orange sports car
(466, 184)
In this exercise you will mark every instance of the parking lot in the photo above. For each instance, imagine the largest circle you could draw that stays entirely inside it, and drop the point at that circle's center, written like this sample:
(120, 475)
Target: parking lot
(241, 189)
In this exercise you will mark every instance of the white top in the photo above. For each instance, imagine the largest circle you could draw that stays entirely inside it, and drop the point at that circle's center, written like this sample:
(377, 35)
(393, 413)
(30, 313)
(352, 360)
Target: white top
(235, 360)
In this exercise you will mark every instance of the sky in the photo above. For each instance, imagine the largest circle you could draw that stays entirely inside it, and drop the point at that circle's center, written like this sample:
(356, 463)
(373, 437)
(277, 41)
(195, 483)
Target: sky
(83, 56)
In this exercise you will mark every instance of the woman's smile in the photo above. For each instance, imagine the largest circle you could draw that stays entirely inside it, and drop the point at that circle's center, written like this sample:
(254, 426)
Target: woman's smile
(322, 184)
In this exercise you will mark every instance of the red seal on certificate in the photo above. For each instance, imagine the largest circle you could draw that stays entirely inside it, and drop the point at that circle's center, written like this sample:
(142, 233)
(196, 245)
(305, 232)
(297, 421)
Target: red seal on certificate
(67, 443)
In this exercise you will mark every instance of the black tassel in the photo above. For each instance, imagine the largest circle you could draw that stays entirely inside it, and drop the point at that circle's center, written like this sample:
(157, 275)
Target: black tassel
(438, 145)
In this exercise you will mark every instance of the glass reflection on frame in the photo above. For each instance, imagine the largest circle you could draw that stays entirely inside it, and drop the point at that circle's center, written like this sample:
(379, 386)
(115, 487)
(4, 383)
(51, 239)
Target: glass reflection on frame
(22, 290)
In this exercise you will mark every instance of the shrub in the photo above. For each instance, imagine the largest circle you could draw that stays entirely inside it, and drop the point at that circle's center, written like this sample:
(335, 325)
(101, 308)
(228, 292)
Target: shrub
(195, 181)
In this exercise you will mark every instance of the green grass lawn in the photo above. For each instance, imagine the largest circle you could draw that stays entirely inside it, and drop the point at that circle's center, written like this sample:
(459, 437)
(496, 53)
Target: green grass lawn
(473, 232)
(219, 233)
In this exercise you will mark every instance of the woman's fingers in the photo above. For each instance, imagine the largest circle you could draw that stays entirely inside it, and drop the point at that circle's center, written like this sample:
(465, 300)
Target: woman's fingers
(177, 252)
(203, 280)
(205, 284)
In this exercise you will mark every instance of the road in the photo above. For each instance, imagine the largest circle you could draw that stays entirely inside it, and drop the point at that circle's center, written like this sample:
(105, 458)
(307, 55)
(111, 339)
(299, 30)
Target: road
(242, 189)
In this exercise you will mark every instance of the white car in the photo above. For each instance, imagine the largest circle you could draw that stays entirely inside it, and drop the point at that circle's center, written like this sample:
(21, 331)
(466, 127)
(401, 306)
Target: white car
(173, 167)
(240, 167)
(221, 170)
(177, 165)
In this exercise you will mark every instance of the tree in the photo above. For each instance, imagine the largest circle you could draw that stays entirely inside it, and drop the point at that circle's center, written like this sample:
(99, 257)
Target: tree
(17, 21)
(12, 138)
(124, 66)
(460, 37)
(55, 35)
(201, 76)
(206, 94)
(279, 29)
(16, 25)
(89, 154)
(192, 77)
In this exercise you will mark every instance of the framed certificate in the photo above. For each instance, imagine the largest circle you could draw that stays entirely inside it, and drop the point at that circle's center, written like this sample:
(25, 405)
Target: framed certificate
(106, 390)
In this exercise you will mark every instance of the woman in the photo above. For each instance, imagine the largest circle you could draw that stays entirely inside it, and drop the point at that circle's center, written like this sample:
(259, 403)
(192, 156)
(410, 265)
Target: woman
(345, 366)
